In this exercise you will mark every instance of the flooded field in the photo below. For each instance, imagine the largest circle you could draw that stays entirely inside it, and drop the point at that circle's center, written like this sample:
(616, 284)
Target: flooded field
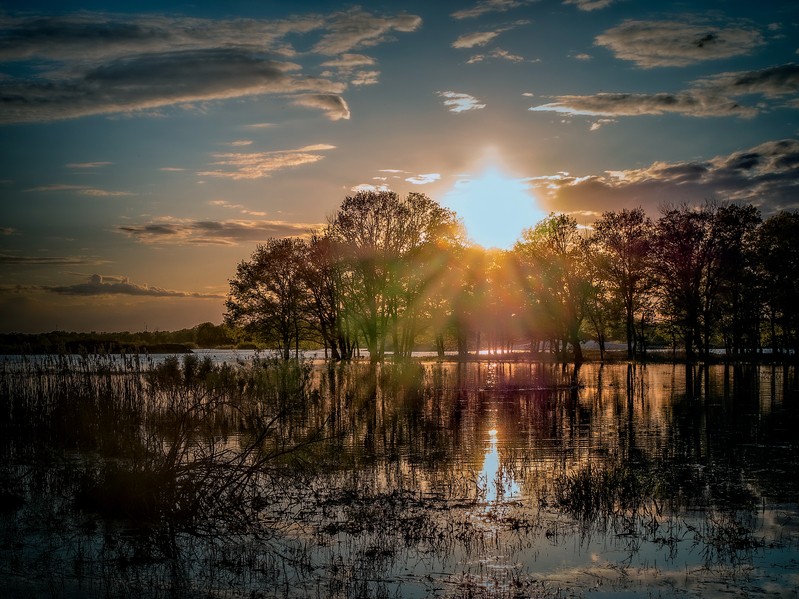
(197, 478)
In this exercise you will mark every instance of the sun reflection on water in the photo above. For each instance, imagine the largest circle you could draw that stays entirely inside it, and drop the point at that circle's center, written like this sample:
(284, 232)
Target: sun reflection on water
(494, 481)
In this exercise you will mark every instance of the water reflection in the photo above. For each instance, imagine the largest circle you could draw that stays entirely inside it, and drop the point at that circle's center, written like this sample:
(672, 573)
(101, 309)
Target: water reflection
(494, 481)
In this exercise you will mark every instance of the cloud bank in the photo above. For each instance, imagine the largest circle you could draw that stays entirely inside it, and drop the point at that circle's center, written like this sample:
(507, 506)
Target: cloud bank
(99, 285)
(93, 63)
(720, 95)
(766, 175)
(210, 232)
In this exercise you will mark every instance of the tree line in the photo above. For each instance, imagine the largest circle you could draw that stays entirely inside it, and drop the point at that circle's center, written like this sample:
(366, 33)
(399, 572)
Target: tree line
(387, 271)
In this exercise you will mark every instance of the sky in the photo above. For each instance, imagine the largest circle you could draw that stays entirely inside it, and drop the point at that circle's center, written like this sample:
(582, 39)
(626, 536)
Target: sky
(146, 148)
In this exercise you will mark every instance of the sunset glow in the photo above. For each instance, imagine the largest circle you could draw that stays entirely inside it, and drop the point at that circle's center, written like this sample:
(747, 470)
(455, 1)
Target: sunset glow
(494, 207)
(149, 148)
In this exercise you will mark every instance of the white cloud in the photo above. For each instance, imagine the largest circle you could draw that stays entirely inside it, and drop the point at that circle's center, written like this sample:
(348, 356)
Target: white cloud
(470, 40)
(424, 179)
(459, 102)
(369, 187)
(678, 43)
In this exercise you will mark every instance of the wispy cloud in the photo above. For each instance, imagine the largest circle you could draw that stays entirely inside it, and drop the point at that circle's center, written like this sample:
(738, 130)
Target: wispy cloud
(589, 5)
(334, 106)
(350, 61)
(17, 259)
(626, 104)
(87, 165)
(479, 38)
(766, 175)
(100, 285)
(459, 102)
(365, 77)
(355, 28)
(79, 189)
(678, 43)
(487, 6)
(212, 232)
(255, 165)
(715, 96)
(497, 53)
(424, 179)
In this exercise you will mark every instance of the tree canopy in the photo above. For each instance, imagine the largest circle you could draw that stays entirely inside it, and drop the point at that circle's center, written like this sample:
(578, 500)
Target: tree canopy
(390, 274)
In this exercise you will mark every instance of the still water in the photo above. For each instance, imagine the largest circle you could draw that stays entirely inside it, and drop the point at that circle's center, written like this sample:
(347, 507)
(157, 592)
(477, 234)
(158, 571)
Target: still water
(483, 479)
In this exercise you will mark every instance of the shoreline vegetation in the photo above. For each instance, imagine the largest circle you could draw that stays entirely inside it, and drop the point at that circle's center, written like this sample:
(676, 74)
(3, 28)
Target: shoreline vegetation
(185, 341)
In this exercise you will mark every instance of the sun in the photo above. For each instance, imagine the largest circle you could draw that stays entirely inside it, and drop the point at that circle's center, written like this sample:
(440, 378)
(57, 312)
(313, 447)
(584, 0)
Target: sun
(495, 207)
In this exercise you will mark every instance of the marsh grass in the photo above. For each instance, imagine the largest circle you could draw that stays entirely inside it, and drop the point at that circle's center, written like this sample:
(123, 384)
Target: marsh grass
(186, 478)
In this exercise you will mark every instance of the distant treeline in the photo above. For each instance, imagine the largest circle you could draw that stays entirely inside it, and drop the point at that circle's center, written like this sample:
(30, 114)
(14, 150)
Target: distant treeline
(206, 334)
(389, 273)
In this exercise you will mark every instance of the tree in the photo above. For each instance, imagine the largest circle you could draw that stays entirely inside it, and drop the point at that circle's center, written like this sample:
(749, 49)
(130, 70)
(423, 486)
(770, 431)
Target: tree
(739, 302)
(555, 256)
(321, 273)
(384, 242)
(778, 258)
(623, 243)
(268, 294)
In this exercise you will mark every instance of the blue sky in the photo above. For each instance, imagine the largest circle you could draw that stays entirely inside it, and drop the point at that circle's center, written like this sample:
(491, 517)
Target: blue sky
(148, 147)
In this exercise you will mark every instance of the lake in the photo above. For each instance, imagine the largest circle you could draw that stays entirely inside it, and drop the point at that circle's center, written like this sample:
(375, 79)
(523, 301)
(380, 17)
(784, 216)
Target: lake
(427, 479)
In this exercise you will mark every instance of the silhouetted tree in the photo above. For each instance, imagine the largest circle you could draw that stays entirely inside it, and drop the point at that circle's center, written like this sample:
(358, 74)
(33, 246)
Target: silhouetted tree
(268, 294)
(778, 257)
(622, 244)
(556, 254)
(321, 272)
(382, 239)
(739, 303)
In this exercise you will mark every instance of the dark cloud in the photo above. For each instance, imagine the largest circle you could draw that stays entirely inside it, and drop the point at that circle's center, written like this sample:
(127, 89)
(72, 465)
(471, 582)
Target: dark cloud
(99, 285)
(771, 82)
(49, 260)
(207, 232)
(88, 64)
(690, 103)
(766, 176)
(152, 81)
(678, 43)
(719, 95)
